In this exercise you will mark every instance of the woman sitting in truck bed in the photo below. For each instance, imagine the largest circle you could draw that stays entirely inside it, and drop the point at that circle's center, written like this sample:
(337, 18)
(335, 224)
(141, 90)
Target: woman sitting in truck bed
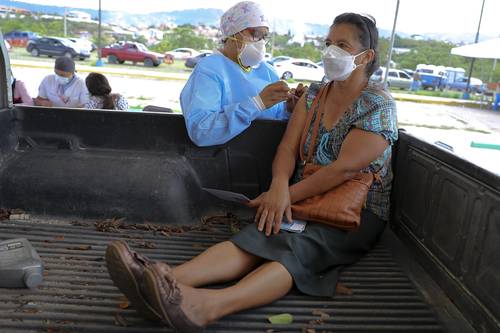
(356, 133)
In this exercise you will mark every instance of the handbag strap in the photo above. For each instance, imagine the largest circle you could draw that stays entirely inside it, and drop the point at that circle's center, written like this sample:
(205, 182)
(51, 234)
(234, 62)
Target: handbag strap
(320, 97)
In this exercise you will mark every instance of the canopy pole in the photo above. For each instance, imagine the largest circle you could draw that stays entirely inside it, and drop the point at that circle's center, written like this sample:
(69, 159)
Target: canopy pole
(467, 88)
(391, 44)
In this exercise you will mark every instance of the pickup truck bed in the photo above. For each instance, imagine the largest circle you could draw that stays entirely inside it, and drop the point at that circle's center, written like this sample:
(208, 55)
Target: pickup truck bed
(78, 296)
(71, 168)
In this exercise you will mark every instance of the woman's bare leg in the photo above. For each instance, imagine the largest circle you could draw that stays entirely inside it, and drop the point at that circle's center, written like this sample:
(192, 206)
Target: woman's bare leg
(267, 283)
(219, 263)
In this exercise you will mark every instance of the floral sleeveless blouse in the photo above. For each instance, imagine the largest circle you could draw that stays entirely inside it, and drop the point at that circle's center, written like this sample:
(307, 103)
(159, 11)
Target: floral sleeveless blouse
(374, 111)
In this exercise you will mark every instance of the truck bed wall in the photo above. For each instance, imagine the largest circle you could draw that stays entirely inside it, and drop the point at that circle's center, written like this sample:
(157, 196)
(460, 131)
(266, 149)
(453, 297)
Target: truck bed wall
(103, 164)
(448, 210)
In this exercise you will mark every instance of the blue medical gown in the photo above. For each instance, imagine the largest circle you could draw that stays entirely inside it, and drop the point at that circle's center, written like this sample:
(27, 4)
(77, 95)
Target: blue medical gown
(217, 100)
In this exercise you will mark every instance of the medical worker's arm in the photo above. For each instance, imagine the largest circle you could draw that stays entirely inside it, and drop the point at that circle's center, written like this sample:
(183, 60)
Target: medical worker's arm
(209, 122)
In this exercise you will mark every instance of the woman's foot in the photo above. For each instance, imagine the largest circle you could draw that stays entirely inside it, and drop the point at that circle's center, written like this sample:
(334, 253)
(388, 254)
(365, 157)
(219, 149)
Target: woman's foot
(126, 269)
(182, 307)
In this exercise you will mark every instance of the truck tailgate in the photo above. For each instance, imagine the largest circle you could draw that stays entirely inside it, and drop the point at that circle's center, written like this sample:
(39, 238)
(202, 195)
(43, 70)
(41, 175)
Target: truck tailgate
(78, 296)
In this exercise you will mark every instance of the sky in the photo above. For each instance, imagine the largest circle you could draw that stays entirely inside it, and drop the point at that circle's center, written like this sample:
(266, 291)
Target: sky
(415, 16)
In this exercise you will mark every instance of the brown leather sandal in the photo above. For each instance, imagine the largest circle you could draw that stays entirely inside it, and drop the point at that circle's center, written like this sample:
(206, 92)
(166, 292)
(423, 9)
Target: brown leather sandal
(163, 294)
(126, 269)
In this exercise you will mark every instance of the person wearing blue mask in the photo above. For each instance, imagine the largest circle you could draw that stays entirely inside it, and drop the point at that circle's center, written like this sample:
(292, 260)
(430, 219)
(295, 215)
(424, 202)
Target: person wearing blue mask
(63, 88)
(234, 86)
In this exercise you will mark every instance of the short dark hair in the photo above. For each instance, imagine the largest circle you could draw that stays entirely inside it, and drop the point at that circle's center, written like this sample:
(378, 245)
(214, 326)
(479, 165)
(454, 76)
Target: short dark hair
(98, 85)
(368, 35)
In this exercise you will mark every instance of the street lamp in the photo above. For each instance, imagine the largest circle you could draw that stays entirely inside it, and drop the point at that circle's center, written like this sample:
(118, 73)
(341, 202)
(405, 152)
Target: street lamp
(99, 61)
(391, 43)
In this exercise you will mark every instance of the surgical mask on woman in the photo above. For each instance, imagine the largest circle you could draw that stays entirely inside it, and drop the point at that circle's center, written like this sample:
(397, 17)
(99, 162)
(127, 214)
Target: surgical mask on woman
(62, 80)
(338, 63)
(252, 53)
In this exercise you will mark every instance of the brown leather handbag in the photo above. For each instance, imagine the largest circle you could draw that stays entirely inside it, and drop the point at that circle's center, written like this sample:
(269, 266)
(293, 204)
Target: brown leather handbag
(340, 206)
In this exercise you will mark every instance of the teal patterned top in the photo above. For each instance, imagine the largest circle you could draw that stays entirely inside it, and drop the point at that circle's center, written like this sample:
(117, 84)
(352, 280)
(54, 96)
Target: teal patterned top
(374, 111)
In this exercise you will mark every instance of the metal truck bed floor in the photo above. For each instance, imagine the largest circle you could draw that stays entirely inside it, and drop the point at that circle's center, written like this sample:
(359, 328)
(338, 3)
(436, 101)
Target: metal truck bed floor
(78, 296)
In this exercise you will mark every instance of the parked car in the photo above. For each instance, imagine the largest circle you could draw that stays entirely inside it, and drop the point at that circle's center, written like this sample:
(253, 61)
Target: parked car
(182, 53)
(396, 78)
(20, 38)
(131, 51)
(476, 85)
(193, 61)
(84, 44)
(54, 46)
(300, 69)
(278, 59)
(408, 71)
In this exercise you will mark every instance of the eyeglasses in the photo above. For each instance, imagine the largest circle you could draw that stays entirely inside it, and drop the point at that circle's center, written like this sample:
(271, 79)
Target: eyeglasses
(258, 34)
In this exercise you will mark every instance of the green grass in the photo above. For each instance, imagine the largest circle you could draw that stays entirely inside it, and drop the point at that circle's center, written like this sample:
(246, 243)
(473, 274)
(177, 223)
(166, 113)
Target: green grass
(176, 67)
(438, 93)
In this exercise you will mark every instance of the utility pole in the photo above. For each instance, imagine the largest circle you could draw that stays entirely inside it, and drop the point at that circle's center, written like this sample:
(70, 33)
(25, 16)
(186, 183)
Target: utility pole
(391, 45)
(65, 25)
(99, 61)
(467, 89)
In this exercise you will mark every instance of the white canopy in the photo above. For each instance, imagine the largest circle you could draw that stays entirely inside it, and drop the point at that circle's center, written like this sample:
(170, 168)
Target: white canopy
(489, 49)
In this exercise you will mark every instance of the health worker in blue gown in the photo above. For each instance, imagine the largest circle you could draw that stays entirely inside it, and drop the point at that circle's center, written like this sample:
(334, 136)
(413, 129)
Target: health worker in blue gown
(234, 86)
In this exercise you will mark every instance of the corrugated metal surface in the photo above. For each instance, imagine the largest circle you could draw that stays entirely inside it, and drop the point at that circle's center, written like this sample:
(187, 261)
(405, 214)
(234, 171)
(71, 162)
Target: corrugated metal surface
(78, 296)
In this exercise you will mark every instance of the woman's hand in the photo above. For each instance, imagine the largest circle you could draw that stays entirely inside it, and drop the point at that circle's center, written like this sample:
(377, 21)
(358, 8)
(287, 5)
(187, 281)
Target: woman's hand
(40, 101)
(271, 206)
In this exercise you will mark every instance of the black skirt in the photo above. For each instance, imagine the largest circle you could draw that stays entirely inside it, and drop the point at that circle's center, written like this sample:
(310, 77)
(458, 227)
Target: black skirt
(314, 257)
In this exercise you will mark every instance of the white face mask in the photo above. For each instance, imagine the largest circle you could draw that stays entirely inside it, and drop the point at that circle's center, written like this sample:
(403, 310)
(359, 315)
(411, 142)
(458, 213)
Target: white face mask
(62, 80)
(338, 63)
(253, 53)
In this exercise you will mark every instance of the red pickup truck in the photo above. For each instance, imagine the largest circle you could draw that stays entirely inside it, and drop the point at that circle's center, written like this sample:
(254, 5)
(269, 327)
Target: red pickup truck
(130, 51)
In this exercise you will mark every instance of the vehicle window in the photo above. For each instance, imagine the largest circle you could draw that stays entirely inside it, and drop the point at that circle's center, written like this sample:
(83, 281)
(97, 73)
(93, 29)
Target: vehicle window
(378, 72)
(404, 75)
(393, 74)
(427, 71)
(297, 63)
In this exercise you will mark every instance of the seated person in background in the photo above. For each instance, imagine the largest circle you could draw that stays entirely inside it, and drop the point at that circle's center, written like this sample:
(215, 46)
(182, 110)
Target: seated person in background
(20, 94)
(64, 88)
(101, 96)
(230, 89)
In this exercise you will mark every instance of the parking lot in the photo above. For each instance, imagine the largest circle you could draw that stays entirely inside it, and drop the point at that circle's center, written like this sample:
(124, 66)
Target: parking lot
(452, 125)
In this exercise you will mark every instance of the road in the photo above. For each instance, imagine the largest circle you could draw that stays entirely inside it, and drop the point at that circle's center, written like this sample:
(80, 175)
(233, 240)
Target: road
(455, 126)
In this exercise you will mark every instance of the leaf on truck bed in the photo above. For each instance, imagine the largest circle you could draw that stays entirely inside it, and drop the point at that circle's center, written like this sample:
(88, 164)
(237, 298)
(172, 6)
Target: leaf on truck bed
(282, 319)
(124, 305)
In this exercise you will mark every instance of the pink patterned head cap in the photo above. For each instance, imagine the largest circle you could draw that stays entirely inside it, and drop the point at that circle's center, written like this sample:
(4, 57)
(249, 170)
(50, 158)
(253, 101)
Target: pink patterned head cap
(245, 14)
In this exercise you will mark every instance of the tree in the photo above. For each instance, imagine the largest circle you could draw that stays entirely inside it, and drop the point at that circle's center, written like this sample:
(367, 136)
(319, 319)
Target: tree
(183, 36)
(308, 51)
